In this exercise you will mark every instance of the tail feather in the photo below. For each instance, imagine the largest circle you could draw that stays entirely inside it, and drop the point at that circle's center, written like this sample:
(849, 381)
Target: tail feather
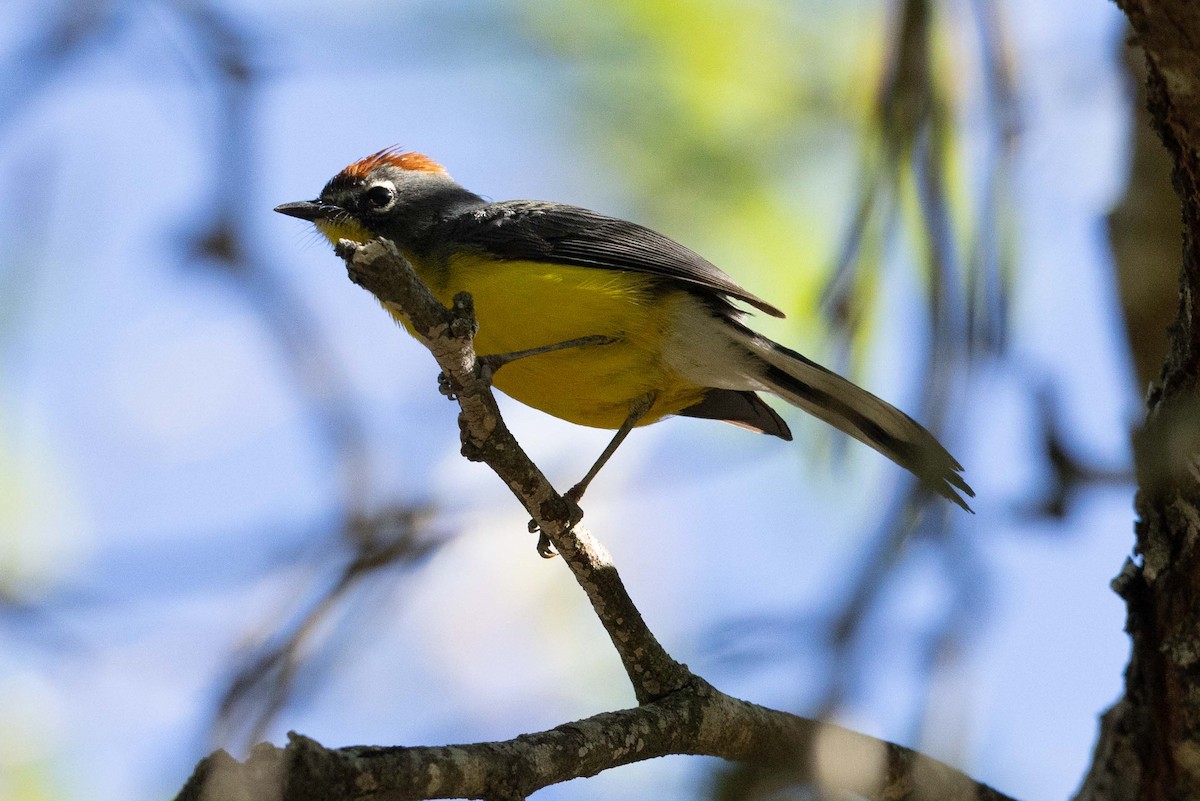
(743, 409)
(867, 418)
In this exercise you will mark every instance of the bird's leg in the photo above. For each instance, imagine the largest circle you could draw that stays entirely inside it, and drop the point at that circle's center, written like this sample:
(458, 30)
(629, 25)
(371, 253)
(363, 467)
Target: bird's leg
(495, 361)
(488, 365)
(637, 411)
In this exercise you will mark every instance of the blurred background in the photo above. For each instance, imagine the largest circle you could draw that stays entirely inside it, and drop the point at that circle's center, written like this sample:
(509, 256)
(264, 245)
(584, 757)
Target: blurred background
(231, 503)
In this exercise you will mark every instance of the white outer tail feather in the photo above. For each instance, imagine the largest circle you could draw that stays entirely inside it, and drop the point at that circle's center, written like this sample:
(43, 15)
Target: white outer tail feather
(716, 351)
(852, 409)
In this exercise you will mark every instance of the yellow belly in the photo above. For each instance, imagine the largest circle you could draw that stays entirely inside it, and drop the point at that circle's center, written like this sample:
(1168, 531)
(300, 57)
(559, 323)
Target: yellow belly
(522, 305)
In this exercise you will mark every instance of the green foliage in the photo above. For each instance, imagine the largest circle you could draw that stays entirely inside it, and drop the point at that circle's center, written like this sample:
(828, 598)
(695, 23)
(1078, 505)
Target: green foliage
(752, 130)
(729, 122)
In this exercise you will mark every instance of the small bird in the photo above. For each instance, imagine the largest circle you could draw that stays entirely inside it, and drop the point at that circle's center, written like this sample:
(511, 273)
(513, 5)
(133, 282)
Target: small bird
(603, 322)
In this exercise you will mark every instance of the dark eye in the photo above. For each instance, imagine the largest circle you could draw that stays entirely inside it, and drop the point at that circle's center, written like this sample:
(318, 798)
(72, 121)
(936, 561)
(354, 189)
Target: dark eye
(379, 197)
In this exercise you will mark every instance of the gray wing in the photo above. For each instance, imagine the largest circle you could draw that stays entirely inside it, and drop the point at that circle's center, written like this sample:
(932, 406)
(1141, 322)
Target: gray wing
(530, 230)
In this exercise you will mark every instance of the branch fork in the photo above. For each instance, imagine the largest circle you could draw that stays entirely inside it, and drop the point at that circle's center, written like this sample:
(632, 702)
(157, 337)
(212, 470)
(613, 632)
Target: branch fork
(677, 712)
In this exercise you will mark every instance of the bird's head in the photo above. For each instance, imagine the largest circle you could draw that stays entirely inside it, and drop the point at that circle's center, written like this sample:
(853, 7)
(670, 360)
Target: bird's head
(390, 193)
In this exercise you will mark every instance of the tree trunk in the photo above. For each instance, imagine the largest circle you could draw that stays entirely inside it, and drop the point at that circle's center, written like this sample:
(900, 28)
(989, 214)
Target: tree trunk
(1149, 744)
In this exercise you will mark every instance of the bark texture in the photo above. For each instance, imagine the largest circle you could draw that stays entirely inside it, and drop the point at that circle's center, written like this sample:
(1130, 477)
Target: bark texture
(1149, 745)
(677, 713)
(695, 719)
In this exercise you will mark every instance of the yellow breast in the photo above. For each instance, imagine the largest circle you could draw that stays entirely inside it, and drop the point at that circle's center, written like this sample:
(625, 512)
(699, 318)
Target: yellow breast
(524, 304)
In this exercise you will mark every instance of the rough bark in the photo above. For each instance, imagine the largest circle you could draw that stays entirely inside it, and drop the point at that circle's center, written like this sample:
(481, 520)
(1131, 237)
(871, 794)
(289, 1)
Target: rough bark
(1149, 745)
(678, 712)
(694, 720)
(449, 333)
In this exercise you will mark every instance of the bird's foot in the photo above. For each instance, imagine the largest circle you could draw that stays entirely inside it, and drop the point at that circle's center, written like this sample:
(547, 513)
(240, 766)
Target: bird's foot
(545, 547)
(486, 366)
(446, 386)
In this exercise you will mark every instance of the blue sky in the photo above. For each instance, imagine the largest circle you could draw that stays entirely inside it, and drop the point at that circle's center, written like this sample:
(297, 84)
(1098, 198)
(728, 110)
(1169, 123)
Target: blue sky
(170, 495)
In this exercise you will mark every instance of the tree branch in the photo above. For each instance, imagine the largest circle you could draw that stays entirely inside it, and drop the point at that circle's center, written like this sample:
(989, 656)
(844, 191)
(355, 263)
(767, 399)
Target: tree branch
(678, 712)
(696, 720)
(448, 333)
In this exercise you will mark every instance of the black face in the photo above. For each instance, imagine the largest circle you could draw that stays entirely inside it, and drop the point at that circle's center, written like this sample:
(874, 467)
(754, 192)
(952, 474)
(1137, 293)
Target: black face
(342, 200)
(399, 204)
(367, 200)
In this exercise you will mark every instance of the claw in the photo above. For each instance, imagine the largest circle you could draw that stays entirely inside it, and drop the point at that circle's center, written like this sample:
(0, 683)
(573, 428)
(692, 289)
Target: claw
(576, 511)
(487, 366)
(545, 547)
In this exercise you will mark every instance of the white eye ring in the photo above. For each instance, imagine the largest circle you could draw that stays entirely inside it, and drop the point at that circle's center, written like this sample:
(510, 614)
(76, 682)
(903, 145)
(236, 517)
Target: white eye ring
(380, 196)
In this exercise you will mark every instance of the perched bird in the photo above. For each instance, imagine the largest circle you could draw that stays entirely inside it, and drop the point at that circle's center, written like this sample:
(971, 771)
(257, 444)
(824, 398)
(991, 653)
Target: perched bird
(604, 322)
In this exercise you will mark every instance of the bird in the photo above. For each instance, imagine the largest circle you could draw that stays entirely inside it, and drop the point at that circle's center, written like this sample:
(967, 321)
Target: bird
(604, 322)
